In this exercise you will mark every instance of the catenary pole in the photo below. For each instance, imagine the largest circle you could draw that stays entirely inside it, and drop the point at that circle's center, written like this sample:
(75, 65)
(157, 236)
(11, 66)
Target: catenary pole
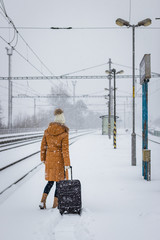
(109, 109)
(74, 91)
(115, 129)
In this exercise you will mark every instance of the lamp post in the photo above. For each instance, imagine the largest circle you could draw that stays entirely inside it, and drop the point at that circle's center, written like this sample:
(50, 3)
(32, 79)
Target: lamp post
(114, 77)
(9, 53)
(145, 22)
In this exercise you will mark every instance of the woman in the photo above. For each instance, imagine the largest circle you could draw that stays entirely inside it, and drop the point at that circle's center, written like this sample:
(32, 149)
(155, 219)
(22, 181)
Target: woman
(55, 154)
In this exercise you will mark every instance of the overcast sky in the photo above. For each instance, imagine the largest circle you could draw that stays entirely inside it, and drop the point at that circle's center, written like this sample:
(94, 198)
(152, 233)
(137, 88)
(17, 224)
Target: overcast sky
(66, 51)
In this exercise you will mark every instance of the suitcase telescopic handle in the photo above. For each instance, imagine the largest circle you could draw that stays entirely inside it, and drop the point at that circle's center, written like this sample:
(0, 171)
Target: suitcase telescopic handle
(71, 173)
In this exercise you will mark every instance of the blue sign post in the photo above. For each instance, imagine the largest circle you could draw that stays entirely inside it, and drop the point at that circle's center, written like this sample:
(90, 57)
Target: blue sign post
(145, 74)
(144, 125)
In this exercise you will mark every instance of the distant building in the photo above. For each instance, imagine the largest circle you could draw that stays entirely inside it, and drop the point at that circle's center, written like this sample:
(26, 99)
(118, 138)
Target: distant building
(105, 124)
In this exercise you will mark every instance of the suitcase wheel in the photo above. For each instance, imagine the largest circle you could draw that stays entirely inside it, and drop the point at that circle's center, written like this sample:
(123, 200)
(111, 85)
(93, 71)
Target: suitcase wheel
(61, 212)
(79, 212)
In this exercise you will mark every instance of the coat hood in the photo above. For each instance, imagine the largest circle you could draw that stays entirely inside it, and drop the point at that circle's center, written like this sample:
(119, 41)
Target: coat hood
(56, 129)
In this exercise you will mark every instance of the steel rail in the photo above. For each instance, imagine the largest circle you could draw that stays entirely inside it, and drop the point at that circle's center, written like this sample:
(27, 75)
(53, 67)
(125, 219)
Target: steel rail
(19, 135)
(24, 144)
(16, 140)
(19, 141)
(20, 179)
(30, 155)
(25, 175)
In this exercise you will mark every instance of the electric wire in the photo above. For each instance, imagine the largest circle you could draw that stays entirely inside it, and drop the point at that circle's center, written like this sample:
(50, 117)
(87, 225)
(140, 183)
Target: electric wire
(10, 22)
(28, 47)
(17, 103)
(121, 65)
(3, 7)
(28, 61)
(24, 89)
(16, 31)
(28, 87)
(7, 89)
(138, 69)
(36, 93)
(81, 28)
(14, 35)
(45, 65)
(85, 69)
(35, 54)
(4, 18)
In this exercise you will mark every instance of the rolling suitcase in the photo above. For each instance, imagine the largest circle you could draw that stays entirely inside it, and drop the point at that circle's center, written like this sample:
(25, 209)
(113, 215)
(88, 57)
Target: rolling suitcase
(69, 196)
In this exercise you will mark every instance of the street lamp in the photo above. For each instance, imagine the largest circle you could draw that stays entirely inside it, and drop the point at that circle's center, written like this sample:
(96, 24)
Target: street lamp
(122, 22)
(9, 53)
(115, 127)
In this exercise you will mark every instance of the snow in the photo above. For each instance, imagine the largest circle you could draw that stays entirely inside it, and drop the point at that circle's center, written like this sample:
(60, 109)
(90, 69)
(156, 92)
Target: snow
(118, 204)
(12, 155)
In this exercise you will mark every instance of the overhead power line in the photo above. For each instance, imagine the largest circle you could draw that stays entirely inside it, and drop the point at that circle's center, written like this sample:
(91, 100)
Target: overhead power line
(84, 69)
(24, 58)
(67, 96)
(73, 77)
(16, 34)
(35, 54)
(76, 28)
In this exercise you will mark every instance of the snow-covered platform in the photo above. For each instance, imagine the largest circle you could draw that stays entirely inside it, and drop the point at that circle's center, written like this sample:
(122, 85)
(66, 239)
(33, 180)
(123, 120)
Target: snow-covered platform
(118, 204)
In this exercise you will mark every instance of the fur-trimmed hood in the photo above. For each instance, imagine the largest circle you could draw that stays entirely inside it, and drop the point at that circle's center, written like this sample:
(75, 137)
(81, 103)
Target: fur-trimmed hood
(55, 129)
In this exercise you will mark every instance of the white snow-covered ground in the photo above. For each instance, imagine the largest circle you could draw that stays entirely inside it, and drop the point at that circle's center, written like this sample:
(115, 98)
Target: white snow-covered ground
(118, 204)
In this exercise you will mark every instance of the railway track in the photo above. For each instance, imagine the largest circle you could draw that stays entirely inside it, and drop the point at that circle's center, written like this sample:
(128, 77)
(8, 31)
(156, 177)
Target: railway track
(27, 142)
(11, 142)
(14, 141)
(73, 138)
(20, 135)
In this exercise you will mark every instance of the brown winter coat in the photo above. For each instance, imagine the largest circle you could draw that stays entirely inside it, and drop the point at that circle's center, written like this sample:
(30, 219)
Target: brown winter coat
(55, 151)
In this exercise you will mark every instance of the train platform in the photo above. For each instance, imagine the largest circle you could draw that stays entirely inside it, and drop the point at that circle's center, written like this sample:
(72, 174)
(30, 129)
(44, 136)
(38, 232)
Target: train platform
(118, 204)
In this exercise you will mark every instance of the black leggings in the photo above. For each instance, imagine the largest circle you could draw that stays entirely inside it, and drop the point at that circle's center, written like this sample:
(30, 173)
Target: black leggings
(49, 186)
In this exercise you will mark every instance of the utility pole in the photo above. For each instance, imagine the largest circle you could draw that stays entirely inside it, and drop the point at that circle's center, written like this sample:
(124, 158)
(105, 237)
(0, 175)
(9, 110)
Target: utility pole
(109, 107)
(115, 123)
(74, 91)
(115, 127)
(110, 72)
(9, 53)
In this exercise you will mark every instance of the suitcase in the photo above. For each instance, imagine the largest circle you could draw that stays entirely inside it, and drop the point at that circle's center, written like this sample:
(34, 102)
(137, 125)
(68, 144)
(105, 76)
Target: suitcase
(69, 196)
